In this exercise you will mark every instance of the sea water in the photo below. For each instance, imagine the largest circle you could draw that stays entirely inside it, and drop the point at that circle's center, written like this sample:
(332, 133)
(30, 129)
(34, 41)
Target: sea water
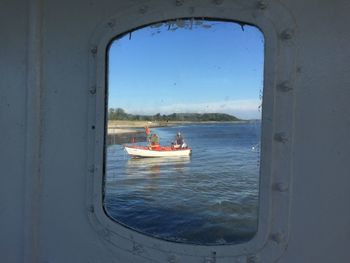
(210, 197)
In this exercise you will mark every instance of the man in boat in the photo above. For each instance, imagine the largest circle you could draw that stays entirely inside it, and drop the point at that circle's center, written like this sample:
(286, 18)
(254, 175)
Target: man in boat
(179, 141)
(154, 140)
(148, 133)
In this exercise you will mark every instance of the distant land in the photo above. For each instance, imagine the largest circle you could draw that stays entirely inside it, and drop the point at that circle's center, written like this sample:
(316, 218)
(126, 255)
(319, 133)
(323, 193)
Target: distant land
(120, 114)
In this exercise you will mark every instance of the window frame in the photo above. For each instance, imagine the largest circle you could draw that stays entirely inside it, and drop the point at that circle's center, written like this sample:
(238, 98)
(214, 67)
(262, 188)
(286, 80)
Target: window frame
(279, 32)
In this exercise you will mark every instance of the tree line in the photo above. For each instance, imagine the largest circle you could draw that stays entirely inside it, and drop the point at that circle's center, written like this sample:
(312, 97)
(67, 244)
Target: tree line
(120, 114)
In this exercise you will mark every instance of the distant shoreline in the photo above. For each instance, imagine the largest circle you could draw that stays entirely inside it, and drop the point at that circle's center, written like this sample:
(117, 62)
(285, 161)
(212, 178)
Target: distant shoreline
(125, 127)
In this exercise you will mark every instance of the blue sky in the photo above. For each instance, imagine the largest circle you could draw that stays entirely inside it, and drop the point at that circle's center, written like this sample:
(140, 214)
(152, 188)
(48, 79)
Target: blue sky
(211, 67)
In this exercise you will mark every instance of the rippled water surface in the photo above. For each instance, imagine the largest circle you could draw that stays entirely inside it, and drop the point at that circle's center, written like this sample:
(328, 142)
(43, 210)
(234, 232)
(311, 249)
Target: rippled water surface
(208, 198)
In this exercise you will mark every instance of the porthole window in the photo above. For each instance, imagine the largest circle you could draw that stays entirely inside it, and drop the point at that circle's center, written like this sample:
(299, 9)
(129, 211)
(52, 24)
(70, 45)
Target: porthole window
(182, 148)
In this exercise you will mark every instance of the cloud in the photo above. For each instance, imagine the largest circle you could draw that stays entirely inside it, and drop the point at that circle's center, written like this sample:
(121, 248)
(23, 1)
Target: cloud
(244, 109)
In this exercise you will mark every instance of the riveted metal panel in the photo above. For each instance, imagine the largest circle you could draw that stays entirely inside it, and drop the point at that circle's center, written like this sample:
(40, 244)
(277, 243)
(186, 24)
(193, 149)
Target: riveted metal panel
(52, 94)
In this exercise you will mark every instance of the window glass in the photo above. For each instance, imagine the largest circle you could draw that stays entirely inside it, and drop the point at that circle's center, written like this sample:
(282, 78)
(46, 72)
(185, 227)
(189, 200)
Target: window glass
(183, 137)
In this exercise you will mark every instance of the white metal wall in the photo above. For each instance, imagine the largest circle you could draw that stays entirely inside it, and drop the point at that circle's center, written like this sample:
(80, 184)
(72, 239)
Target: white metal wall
(45, 73)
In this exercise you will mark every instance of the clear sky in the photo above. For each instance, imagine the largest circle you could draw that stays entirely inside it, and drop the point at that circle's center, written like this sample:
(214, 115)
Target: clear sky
(212, 67)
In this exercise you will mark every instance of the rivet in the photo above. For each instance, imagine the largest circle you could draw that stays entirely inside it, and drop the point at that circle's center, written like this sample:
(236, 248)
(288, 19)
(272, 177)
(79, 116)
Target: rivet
(93, 50)
(280, 137)
(111, 23)
(93, 127)
(92, 90)
(173, 259)
(211, 259)
(218, 2)
(280, 187)
(214, 256)
(137, 249)
(287, 34)
(262, 5)
(284, 86)
(143, 9)
(277, 237)
(179, 2)
(251, 259)
(106, 233)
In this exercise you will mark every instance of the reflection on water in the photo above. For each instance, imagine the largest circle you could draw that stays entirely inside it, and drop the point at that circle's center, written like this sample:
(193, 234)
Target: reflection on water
(153, 166)
(208, 198)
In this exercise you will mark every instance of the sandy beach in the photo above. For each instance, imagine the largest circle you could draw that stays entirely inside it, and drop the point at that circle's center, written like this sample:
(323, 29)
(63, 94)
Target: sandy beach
(124, 127)
(128, 131)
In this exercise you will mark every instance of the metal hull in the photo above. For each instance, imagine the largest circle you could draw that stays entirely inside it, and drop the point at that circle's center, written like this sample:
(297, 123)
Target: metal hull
(139, 151)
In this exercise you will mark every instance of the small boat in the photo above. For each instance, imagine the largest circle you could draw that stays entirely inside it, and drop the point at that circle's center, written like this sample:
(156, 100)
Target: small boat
(136, 151)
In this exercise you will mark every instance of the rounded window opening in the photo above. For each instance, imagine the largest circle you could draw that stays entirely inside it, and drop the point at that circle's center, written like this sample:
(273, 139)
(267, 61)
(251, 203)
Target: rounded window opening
(183, 130)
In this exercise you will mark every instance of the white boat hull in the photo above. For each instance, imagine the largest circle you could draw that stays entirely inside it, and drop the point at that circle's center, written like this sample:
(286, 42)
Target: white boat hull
(136, 151)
